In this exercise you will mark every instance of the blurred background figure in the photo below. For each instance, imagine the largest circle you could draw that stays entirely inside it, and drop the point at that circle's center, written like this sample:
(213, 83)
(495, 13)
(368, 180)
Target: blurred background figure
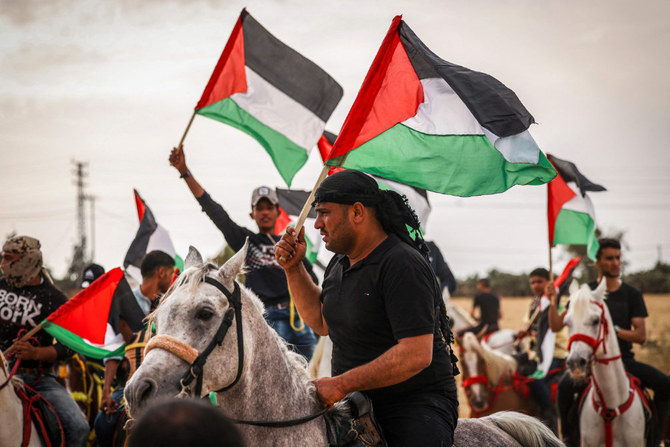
(184, 423)
(91, 273)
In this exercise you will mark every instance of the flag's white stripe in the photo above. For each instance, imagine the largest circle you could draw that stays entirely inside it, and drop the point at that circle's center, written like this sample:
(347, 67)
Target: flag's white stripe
(280, 112)
(443, 113)
(160, 240)
(580, 204)
(113, 341)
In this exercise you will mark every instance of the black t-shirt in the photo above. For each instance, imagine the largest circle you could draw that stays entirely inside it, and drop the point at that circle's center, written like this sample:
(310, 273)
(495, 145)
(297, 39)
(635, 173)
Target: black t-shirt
(25, 308)
(266, 278)
(624, 304)
(389, 295)
(489, 306)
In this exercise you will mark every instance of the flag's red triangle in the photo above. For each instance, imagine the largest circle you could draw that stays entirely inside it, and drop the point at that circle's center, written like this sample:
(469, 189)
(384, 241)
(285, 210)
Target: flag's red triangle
(282, 221)
(567, 271)
(86, 314)
(558, 193)
(390, 94)
(229, 76)
(141, 207)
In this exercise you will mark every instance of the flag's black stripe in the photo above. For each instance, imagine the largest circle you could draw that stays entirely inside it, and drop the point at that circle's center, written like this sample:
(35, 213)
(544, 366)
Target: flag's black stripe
(570, 173)
(292, 201)
(124, 305)
(138, 248)
(496, 107)
(288, 70)
(330, 137)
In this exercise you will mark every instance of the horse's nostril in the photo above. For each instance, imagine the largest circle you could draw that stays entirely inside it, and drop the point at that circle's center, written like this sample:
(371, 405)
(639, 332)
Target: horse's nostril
(143, 390)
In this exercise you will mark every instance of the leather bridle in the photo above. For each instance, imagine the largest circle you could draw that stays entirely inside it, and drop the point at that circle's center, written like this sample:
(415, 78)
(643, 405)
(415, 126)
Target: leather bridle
(197, 359)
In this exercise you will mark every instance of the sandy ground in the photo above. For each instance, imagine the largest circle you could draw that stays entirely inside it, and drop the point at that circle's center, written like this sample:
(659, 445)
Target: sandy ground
(655, 352)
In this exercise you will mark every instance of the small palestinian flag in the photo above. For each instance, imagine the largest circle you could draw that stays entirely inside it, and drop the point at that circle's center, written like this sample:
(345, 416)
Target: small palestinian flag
(425, 122)
(416, 197)
(290, 204)
(570, 213)
(273, 93)
(88, 323)
(150, 236)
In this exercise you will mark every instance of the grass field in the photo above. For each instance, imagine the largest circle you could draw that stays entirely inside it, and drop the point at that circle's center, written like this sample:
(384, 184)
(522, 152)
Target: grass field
(655, 352)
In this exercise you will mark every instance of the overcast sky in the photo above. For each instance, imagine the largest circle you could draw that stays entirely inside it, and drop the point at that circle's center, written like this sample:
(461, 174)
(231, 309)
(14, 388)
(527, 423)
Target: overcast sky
(114, 84)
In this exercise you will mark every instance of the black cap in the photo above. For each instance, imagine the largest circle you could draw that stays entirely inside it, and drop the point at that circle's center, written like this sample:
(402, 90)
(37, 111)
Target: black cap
(91, 273)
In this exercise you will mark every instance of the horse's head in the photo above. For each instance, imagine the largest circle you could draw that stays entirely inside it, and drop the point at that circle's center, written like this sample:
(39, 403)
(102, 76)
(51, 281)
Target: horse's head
(588, 322)
(475, 379)
(189, 317)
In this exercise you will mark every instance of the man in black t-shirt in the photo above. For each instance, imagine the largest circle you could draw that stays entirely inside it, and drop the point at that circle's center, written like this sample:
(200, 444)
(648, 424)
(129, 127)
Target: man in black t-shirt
(489, 310)
(265, 277)
(27, 297)
(628, 311)
(381, 306)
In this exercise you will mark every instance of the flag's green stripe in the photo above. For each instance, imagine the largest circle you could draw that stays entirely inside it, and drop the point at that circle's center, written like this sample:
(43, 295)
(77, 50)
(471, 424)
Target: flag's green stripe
(77, 344)
(460, 165)
(179, 263)
(287, 156)
(573, 227)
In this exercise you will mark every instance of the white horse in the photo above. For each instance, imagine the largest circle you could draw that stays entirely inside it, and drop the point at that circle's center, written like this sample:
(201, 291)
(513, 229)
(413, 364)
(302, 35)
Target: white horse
(612, 414)
(255, 377)
(11, 412)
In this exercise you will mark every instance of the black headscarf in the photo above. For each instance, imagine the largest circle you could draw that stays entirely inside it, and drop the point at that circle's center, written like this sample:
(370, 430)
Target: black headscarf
(391, 209)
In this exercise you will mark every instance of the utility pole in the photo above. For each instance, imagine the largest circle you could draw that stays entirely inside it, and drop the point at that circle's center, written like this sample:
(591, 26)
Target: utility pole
(91, 201)
(79, 258)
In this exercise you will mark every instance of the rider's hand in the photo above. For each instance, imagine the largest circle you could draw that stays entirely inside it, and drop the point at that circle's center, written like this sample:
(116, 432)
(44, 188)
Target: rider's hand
(328, 390)
(291, 248)
(178, 160)
(107, 404)
(26, 351)
(550, 291)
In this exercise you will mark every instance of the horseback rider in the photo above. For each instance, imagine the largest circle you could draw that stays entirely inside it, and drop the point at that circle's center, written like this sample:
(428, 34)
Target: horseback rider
(265, 277)
(628, 311)
(550, 349)
(27, 297)
(379, 304)
(157, 269)
(489, 310)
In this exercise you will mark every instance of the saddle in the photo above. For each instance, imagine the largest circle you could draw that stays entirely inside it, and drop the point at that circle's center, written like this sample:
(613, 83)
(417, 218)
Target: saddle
(37, 410)
(360, 430)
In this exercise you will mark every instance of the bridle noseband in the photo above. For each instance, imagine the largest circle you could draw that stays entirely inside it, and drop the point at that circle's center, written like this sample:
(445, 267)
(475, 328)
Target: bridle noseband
(197, 360)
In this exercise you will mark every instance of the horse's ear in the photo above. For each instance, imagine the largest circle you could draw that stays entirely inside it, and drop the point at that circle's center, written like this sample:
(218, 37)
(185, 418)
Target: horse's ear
(599, 292)
(193, 258)
(574, 287)
(229, 271)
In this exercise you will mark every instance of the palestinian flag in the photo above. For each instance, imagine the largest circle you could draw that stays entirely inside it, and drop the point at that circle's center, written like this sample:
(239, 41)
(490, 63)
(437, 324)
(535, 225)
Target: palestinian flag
(570, 213)
(290, 204)
(270, 91)
(416, 197)
(150, 236)
(425, 122)
(88, 323)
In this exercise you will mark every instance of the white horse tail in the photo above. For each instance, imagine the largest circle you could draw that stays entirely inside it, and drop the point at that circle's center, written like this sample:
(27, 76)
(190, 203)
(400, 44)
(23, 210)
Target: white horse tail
(527, 430)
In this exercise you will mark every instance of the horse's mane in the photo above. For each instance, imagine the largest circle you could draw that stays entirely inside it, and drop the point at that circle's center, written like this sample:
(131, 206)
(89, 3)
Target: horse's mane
(497, 363)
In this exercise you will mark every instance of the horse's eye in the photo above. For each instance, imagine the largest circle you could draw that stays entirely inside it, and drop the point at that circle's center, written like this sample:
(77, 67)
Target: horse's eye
(204, 314)
(595, 321)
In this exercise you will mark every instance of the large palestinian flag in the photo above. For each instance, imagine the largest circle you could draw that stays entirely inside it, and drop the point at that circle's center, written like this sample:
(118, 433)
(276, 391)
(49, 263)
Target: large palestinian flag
(290, 204)
(273, 93)
(425, 122)
(88, 323)
(150, 236)
(570, 213)
(416, 197)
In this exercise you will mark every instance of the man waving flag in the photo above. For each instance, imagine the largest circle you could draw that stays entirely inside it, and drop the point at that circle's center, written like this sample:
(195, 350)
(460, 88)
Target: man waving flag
(426, 122)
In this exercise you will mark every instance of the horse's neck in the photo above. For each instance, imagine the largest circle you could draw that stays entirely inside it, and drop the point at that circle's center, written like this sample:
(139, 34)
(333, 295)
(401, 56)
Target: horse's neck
(270, 388)
(611, 375)
(11, 415)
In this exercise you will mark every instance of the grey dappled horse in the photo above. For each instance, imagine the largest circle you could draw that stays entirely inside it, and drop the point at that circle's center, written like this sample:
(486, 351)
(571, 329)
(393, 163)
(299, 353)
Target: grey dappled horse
(255, 376)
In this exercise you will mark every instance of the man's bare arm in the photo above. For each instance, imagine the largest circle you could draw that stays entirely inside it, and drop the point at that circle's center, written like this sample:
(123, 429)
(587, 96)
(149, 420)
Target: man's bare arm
(290, 251)
(404, 360)
(638, 334)
(178, 160)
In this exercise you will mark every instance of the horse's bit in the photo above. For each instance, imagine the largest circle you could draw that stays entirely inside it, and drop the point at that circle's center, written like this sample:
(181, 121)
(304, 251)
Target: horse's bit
(191, 355)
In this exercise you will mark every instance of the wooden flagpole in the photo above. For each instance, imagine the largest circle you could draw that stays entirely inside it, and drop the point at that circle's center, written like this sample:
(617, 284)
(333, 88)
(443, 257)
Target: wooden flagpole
(29, 334)
(308, 204)
(183, 137)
